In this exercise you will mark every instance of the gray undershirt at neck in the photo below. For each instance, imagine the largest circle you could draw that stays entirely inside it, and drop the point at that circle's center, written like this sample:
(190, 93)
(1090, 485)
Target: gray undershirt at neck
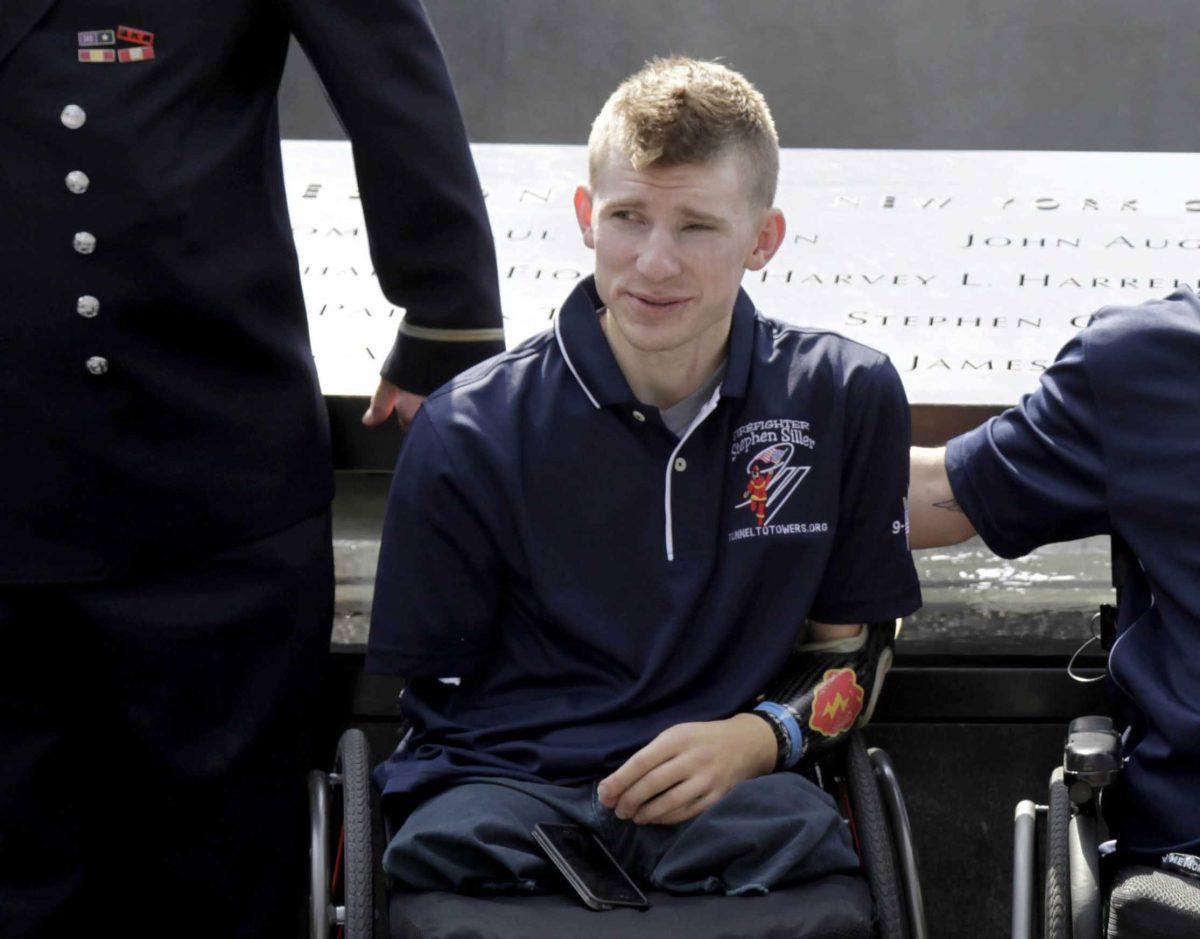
(679, 416)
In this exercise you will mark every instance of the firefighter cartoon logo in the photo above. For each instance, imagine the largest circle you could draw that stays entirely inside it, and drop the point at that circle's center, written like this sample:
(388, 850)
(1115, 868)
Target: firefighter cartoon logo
(771, 481)
(837, 702)
(761, 475)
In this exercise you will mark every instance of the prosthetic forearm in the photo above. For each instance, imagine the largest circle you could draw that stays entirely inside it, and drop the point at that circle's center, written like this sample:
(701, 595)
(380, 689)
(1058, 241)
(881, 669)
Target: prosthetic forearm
(825, 690)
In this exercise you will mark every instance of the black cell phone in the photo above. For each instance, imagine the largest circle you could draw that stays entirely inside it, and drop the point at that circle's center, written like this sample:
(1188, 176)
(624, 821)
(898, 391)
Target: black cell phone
(588, 867)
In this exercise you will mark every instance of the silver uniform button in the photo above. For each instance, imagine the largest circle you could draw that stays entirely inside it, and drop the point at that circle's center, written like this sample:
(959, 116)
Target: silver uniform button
(78, 182)
(97, 365)
(85, 242)
(87, 306)
(639, 416)
(73, 117)
(680, 464)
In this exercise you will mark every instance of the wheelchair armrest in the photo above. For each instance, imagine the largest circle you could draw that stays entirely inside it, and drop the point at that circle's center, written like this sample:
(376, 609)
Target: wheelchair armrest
(1093, 751)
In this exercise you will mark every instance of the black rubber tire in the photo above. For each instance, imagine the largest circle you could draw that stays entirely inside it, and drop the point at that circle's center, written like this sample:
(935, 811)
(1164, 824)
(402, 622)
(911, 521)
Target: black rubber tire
(1058, 861)
(1084, 865)
(358, 868)
(875, 841)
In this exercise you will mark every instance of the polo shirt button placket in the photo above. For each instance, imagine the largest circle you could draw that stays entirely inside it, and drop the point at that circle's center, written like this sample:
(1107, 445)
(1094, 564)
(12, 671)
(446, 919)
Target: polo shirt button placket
(678, 464)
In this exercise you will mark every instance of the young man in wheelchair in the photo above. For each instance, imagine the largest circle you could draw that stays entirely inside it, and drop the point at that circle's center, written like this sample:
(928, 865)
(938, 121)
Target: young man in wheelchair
(610, 537)
(1109, 443)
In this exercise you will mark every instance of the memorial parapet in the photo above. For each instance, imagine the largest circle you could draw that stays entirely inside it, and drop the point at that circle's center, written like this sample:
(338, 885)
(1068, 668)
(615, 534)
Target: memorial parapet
(970, 269)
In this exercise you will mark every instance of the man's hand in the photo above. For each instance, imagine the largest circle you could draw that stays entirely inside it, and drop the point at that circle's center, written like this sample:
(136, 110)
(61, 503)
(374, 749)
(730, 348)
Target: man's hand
(687, 768)
(389, 398)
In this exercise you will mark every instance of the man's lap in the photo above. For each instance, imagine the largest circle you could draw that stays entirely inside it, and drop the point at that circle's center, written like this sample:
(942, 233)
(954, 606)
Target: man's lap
(766, 832)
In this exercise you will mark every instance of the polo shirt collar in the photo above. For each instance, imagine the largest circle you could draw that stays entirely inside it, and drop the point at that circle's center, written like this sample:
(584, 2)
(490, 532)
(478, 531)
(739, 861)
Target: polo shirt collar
(590, 359)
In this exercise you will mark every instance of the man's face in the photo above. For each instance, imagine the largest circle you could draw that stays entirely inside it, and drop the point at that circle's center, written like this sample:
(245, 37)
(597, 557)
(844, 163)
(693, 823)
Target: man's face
(671, 247)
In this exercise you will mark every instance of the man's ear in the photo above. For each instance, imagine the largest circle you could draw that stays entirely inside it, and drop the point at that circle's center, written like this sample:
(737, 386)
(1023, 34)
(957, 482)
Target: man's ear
(583, 214)
(770, 236)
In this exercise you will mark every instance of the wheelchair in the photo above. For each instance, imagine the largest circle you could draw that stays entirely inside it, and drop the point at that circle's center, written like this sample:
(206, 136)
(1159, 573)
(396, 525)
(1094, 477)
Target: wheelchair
(1140, 902)
(351, 898)
(1080, 901)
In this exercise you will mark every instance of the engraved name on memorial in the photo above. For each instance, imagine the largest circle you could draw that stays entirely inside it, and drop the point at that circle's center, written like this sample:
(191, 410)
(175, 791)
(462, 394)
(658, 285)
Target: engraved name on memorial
(970, 269)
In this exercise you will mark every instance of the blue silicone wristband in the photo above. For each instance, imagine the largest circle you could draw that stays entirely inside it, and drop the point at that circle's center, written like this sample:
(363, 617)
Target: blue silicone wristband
(791, 725)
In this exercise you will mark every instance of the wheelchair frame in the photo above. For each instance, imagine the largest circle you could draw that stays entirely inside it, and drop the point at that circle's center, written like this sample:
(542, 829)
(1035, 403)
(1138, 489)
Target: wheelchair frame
(1074, 905)
(1092, 759)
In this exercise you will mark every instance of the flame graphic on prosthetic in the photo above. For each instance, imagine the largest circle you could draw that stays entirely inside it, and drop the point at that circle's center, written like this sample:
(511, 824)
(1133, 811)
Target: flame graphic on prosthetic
(837, 702)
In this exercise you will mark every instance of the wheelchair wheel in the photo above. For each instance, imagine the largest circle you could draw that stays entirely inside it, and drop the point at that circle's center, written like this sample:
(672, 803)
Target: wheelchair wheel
(1058, 863)
(358, 863)
(344, 878)
(875, 842)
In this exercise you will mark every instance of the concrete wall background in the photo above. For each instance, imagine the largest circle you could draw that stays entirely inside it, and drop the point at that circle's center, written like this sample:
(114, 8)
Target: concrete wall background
(937, 74)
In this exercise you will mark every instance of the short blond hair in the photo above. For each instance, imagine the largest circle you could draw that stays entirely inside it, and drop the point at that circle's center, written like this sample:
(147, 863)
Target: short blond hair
(677, 111)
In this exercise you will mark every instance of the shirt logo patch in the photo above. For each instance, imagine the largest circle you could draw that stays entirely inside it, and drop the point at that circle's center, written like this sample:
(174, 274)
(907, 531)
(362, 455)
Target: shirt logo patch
(772, 481)
(837, 702)
(772, 476)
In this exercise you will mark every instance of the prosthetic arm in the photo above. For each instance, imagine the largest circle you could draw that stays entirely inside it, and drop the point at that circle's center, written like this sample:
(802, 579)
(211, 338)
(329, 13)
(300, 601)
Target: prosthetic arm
(825, 690)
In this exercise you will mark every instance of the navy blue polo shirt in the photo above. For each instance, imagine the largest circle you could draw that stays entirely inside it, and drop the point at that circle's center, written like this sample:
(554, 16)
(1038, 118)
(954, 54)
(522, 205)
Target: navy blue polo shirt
(594, 579)
(1110, 442)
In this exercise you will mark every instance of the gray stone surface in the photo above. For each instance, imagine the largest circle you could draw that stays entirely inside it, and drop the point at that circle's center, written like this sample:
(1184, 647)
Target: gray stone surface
(943, 74)
(357, 517)
(974, 601)
(969, 269)
(1042, 603)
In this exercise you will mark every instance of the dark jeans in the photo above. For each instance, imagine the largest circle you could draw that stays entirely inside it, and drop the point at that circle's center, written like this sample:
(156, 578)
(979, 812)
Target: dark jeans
(154, 734)
(765, 832)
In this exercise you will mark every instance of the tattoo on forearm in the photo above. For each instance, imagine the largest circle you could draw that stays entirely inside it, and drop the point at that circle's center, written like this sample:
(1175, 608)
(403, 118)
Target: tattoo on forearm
(950, 505)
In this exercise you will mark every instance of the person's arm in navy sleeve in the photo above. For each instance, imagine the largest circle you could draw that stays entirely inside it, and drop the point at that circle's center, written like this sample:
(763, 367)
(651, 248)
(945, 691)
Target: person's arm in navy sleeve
(1031, 476)
(431, 243)
(869, 576)
(437, 585)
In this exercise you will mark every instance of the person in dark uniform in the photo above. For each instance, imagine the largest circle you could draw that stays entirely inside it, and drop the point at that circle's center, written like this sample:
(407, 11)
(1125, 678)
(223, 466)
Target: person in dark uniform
(1109, 443)
(165, 558)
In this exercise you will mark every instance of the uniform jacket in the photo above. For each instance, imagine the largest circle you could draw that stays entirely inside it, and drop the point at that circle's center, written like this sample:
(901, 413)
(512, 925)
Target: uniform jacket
(157, 389)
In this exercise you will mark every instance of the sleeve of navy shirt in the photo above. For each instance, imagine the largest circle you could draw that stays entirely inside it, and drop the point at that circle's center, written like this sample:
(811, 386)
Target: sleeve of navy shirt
(1035, 474)
(437, 583)
(870, 575)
